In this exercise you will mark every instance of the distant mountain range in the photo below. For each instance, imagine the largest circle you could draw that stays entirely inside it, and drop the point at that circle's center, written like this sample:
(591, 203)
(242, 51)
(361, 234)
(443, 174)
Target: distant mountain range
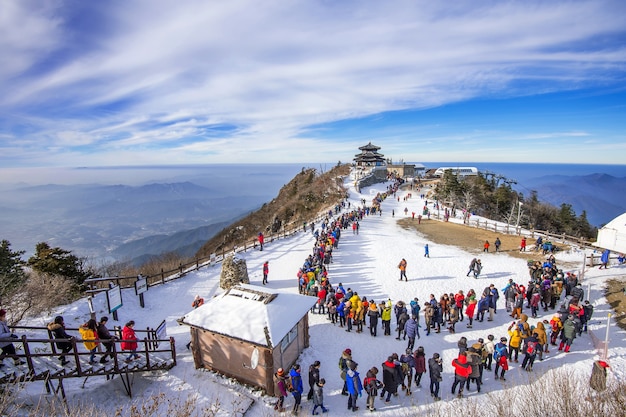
(185, 243)
(134, 223)
(600, 195)
(114, 221)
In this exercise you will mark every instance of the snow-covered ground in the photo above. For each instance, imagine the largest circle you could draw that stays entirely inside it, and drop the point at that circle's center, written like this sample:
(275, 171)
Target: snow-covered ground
(367, 263)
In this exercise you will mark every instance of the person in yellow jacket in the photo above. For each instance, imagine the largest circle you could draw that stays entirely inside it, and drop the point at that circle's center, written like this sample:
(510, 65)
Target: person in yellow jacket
(386, 318)
(89, 334)
(556, 325)
(515, 342)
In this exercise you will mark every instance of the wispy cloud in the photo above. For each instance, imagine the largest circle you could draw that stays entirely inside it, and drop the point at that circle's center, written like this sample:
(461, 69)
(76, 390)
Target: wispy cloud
(241, 81)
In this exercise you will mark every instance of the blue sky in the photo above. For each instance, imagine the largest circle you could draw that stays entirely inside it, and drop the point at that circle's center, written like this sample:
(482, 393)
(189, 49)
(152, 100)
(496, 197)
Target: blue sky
(167, 82)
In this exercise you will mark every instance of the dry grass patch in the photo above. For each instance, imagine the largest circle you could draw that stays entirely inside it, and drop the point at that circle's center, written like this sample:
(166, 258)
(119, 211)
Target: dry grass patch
(616, 296)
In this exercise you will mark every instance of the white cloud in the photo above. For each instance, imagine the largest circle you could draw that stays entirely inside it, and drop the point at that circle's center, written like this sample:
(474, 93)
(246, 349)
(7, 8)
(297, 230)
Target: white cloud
(162, 71)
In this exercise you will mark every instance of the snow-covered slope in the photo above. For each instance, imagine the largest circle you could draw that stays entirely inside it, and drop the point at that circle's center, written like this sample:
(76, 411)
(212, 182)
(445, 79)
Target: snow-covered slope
(367, 263)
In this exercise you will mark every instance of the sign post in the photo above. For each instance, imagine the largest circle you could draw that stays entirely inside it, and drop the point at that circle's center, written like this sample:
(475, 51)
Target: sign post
(141, 286)
(114, 300)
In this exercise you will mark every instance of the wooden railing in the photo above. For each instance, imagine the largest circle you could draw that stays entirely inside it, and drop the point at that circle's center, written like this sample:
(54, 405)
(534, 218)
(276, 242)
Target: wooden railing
(38, 359)
(504, 228)
(96, 285)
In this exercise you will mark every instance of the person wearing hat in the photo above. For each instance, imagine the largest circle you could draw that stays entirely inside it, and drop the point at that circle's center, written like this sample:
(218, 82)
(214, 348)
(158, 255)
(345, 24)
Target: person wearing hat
(355, 387)
(371, 385)
(568, 334)
(435, 368)
(298, 389)
(197, 301)
(280, 379)
(318, 397)
(344, 361)
(7, 345)
(500, 354)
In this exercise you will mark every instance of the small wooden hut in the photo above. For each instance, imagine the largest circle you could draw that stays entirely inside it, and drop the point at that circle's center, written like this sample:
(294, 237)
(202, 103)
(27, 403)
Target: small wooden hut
(248, 332)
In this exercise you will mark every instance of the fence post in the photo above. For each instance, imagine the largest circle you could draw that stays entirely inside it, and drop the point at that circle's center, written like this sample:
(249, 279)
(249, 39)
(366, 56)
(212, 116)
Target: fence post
(162, 277)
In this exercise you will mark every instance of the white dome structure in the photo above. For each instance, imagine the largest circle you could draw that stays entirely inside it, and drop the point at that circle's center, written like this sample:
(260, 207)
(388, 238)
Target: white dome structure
(613, 235)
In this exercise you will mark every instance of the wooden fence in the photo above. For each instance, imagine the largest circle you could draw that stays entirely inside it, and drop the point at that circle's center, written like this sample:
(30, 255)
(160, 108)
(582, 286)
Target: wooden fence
(96, 285)
(499, 227)
(40, 360)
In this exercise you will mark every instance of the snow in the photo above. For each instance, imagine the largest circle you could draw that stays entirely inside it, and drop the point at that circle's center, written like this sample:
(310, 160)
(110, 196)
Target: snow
(367, 263)
(238, 313)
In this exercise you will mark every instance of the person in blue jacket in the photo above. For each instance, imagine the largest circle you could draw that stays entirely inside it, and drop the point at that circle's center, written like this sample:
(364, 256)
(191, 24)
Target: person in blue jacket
(355, 387)
(483, 306)
(605, 259)
(298, 389)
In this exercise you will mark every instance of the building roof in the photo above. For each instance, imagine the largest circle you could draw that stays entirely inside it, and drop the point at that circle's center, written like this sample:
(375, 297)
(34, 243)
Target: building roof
(613, 235)
(369, 147)
(369, 155)
(246, 311)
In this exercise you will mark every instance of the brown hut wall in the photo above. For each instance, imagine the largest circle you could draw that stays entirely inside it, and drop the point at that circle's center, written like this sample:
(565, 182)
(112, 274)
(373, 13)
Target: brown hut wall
(289, 356)
(228, 356)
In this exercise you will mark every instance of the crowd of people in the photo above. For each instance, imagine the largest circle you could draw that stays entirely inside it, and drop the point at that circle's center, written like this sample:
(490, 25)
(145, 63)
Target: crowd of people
(522, 343)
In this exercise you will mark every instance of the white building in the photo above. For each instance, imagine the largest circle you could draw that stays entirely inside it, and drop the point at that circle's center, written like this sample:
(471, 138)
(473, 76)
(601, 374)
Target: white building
(460, 171)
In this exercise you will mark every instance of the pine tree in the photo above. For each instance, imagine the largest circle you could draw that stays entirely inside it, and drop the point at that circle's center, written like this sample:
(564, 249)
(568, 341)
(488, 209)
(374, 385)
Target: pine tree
(12, 273)
(60, 262)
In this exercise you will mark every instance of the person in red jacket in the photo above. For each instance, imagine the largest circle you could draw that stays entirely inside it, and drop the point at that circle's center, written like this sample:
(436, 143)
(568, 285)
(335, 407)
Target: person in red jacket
(129, 340)
(261, 240)
(462, 371)
(266, 270)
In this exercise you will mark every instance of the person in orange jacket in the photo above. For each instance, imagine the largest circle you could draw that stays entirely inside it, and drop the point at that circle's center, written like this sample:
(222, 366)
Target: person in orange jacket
(197, 301)
(402, 267)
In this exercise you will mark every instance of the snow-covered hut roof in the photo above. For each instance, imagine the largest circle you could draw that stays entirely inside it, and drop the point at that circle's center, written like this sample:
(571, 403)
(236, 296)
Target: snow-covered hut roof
(245, 311)
(613, 235)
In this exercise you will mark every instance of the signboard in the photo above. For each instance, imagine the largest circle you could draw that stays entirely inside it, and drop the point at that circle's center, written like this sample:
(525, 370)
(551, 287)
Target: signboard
(114, 298)
(161, 333)
(141, 285)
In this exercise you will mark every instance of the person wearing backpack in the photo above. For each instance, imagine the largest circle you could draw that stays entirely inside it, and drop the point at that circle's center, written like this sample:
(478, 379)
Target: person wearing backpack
(531, 346)
(283, 388)
(407, 361)
(344, 360)
(297, 388)
(475, 360)
(500, 356)
(371, 385)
